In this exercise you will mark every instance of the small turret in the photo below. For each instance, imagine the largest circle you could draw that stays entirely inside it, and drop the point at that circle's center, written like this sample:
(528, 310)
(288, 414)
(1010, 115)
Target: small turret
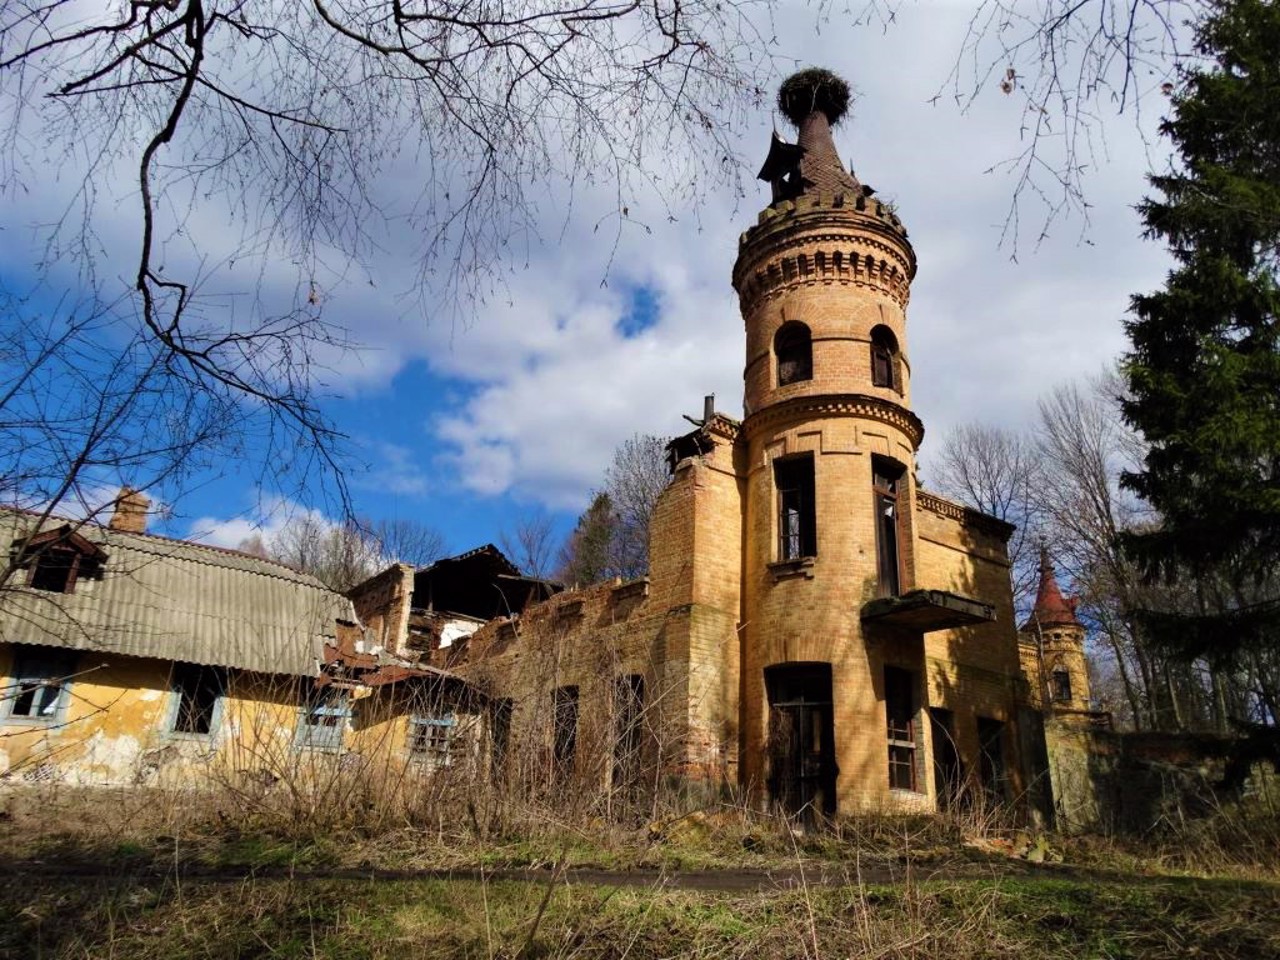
(1053, 646)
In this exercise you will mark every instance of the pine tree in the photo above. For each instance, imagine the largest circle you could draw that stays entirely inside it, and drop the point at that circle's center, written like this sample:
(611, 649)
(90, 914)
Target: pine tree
(587, 557)
(1204, 370)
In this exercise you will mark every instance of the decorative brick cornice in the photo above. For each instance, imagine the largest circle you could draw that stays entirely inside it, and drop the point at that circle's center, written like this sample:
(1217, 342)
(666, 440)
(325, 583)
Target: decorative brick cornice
(723, 426)
(851, 248)
(844, 261)
(965, 515)
(838, 405)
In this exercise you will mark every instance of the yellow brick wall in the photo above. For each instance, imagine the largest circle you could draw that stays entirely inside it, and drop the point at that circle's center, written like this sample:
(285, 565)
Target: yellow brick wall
(973, 671)
(677, 630)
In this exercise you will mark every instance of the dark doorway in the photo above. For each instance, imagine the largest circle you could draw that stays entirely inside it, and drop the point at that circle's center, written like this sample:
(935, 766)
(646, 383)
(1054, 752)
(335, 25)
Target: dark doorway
(948, 774)
(802, 766)
(992, 772)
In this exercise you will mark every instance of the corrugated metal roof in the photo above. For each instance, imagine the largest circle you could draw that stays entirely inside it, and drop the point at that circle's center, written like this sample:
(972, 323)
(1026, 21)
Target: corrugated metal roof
(177, 601)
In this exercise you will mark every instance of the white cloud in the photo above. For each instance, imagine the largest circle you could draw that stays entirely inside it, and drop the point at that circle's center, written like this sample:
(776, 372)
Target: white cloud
(552, 385)
(266, 519)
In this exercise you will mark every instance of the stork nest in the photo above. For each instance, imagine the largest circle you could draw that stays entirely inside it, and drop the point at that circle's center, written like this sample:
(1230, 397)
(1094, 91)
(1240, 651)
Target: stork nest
(813, 89)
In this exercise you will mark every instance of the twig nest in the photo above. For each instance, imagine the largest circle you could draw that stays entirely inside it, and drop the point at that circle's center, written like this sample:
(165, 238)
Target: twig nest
(810, 90)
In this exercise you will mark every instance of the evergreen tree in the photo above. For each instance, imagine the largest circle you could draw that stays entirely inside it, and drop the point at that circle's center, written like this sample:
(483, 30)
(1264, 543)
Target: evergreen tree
(1204, 370)
(587, 557)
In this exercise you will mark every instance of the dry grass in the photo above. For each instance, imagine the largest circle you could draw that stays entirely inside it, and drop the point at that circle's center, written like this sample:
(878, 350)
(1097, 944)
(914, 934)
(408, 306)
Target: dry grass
(1025, 919)
(271, 888)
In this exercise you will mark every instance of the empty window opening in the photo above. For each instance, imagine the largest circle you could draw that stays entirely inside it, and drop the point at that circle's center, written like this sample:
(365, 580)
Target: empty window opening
(887, 479)
(900, 716)
(323, 723)
(797, 517)
(1061, 686)
(793, 347)
(991, 765)
(197, 691)
(499, 737)
(55, 570)
(40, 684)
(628, 728)
(435, 739)
(565, 719)
(884, 358)
(801, 748)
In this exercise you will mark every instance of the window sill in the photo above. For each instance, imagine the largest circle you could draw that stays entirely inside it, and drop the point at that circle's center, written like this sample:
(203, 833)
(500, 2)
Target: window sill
(787, 569)
(332, 749)
(32, 721)
(183, 737)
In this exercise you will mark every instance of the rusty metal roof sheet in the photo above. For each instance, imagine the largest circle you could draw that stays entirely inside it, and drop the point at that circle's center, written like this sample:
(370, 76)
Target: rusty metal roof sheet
(176, 600)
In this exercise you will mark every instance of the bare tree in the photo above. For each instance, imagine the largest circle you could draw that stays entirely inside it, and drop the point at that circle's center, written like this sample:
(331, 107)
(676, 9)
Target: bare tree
(344, 554)
(611, 538)
(407, 541)
(531, 543)
(247, 137)
(634, 481)
(1071, 65)
(997, 471)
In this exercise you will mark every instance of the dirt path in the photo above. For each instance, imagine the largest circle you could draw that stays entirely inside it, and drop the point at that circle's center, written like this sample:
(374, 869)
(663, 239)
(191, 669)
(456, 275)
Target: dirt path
(730, 880)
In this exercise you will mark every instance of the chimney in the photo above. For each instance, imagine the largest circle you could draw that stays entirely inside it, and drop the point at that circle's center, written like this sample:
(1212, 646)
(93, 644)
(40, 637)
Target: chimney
(708, 407)
(130, 515)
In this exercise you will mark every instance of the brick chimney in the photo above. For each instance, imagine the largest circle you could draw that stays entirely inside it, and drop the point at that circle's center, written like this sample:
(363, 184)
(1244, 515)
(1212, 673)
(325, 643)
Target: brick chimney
(130, 515)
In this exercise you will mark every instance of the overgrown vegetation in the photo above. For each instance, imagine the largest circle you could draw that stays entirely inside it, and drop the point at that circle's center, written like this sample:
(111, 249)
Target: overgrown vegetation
(154, 875)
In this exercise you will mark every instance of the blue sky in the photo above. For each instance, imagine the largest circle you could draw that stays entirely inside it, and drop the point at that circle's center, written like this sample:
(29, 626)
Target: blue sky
(611, 325)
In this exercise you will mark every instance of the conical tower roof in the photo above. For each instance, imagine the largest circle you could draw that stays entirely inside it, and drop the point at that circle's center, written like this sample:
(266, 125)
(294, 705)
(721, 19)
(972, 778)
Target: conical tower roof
(814, 100)
(1052, 609)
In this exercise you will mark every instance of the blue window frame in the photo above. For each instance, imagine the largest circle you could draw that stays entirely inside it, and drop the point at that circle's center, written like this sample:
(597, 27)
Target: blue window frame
(434, 738)
(38, 692)
(322, 723)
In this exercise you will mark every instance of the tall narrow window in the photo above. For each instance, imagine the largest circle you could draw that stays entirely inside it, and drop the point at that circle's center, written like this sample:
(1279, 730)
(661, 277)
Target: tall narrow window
(797, 516)
(1061, 686)
(884, 357)
(628, 718)
(499, 737)
(991, 766)
(887, 479)
(197, 691)
(793, 347)
(40, 682)
(565, 719)
(900, 715)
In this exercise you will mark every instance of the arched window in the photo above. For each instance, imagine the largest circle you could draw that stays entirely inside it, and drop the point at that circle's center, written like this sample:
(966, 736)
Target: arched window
(794, 349)
(884, 357)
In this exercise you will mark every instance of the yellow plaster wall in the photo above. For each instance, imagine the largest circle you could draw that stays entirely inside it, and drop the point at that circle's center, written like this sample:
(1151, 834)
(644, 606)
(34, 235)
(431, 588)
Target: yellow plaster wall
(114, 726)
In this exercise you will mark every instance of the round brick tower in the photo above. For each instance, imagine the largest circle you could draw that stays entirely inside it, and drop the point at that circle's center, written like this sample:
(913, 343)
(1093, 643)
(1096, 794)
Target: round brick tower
(823, 281)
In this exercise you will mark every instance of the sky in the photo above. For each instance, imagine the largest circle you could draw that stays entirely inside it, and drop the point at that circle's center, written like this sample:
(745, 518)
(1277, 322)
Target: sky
(611, 325)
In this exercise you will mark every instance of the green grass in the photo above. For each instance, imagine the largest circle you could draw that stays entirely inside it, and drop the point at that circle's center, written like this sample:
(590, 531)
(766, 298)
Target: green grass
(1026, 918)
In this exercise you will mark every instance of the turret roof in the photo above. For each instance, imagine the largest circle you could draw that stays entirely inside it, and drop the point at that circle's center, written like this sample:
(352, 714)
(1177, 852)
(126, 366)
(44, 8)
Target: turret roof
(1052, 609)
(814, 100)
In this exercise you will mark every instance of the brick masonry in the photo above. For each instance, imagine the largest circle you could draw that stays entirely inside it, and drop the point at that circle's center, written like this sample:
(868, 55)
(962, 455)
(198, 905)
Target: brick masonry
(719, 610)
